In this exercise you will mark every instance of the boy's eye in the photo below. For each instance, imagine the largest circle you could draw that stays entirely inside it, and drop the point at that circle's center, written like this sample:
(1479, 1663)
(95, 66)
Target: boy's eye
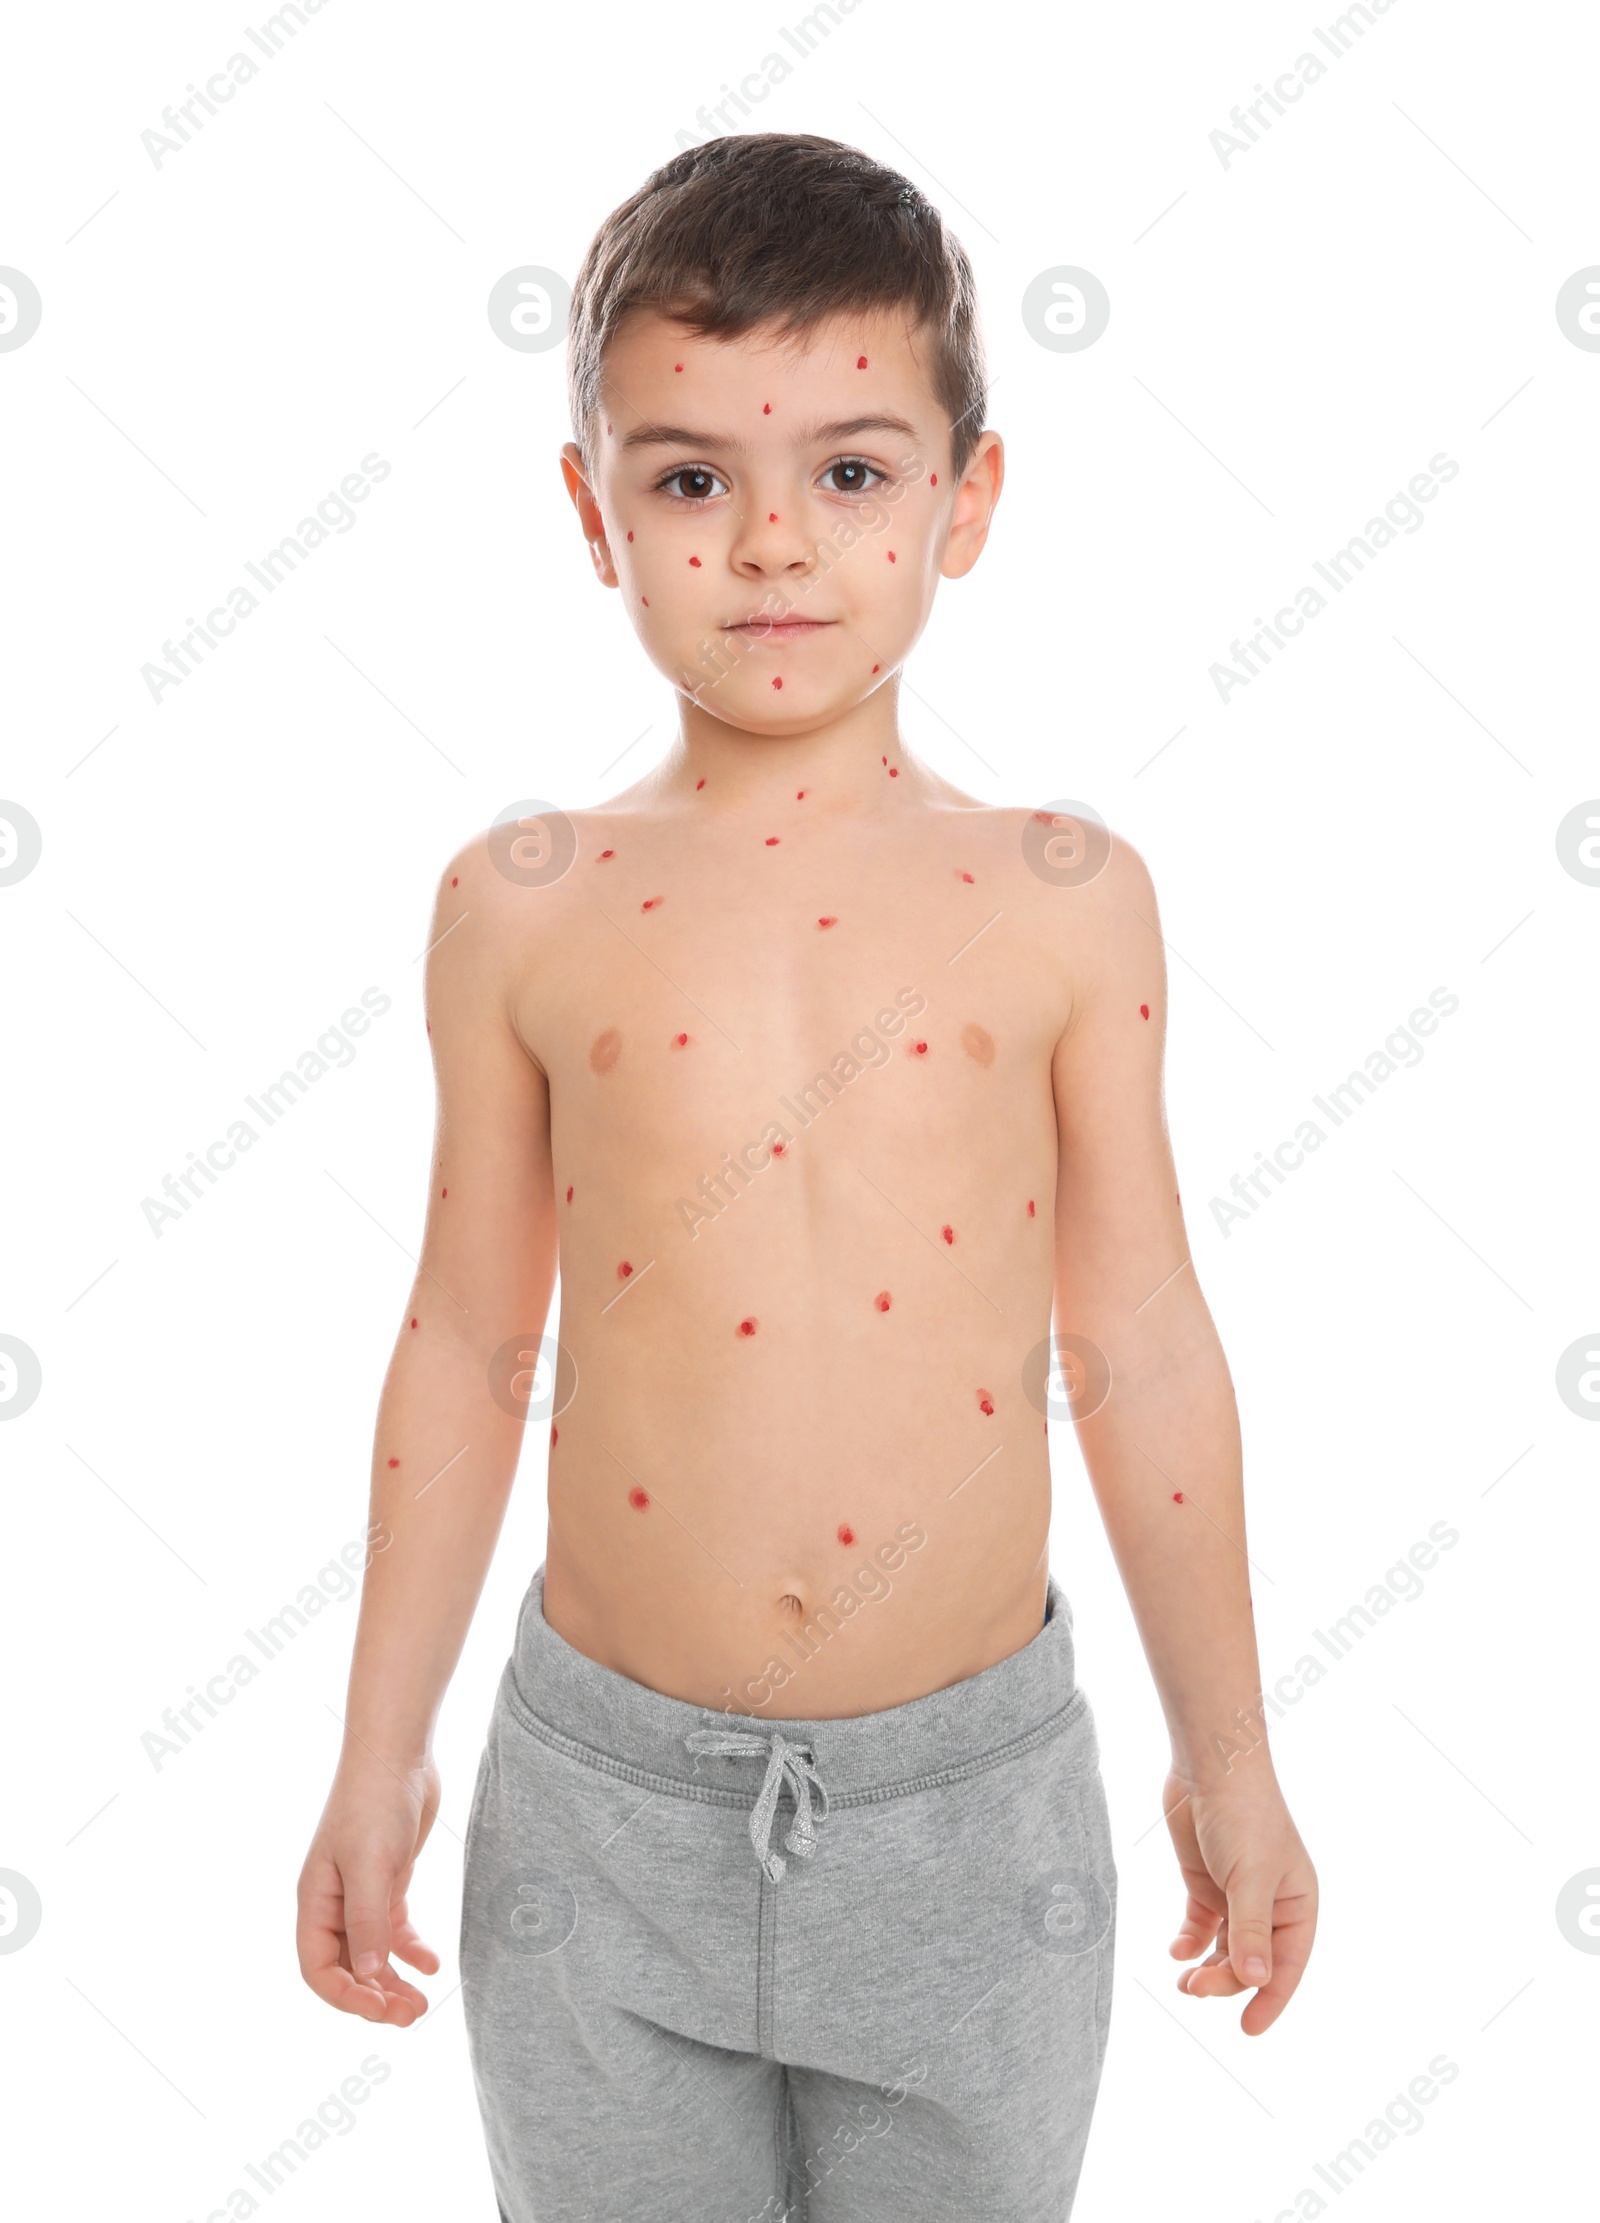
(692, 484)
(855, 475)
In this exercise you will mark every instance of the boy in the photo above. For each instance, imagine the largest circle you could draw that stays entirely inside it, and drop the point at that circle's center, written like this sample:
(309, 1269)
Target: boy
(789, 1885)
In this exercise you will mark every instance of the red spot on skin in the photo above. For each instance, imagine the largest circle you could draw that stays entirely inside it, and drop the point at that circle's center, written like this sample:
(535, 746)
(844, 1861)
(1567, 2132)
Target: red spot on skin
(1144, 1011)
(777, 683)
(444, 1192)
(893, 558)
(569, 1192)
(985, 1403)
(877, 667)
(847, 1534)
(1044, 818)
(639, 1499)
(772, 517)
(799, 794)
(680, 1041)
(555, 1432)
(967, 876)
(429, 1025)
(772, 841)
(624, 1270)
(698, 785)
(883, 760)
(861, 362)
(694, 562)
(933, 476)
(652, 902)
(919, 1049)
(604, 854)
(630, 536)
(894, 771)
(1177, 1497)
(394, 1462)
(883, 1300)
(1031, 1212)
(948, 1233)
(645, 599)
(677, 366)
(455, 880)
(766, 409)
(608, 424)
(827, 922)
(779, 1148)
(413, 1323)
(1177, 1197)
(748, 1327)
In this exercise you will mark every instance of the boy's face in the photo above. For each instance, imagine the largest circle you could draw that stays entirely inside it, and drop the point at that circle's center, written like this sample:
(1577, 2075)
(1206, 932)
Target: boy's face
(777, 516)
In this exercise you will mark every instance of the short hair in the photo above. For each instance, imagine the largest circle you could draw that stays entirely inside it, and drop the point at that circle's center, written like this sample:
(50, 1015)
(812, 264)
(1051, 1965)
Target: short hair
(782, 229)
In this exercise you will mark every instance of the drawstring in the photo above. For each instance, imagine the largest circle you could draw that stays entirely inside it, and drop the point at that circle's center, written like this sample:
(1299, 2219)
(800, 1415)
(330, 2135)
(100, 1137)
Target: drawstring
(784, 1761)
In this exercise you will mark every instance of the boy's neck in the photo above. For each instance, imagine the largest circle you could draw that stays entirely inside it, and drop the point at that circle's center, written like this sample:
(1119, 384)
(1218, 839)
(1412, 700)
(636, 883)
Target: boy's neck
(857, 761)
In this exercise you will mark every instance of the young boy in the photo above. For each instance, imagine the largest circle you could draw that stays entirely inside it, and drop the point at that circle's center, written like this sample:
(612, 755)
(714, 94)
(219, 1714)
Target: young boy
(789, 1885)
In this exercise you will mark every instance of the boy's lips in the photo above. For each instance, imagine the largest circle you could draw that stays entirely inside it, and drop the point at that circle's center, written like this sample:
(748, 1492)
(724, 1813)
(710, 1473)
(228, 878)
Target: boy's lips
(779, 629)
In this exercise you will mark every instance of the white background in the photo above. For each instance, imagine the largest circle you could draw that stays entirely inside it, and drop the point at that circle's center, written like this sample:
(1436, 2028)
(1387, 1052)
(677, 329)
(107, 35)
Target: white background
(1292, 337)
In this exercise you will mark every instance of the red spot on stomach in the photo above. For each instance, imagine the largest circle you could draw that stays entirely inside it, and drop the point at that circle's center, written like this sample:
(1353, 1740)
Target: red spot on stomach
(985, 1402)
(624, 1270)
(748, 1327)
(847, 1534)
(638, 1499)
(883, 1300)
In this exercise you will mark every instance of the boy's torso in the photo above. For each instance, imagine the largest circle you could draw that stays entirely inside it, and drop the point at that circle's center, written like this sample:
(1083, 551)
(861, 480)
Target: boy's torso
(803, 1150)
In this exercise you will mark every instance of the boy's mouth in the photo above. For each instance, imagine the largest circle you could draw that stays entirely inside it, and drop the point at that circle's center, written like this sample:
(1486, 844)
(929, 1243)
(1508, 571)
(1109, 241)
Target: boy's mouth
(763, 628)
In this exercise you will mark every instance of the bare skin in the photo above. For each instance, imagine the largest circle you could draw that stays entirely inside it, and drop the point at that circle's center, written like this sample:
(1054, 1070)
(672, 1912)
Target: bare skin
(804, 1471)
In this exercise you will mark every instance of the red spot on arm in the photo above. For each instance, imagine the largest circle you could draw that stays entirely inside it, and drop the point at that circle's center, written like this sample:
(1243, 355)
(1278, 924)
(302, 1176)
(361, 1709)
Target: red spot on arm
(847, 1534)
(639, 1499)
(985, 1403)
(748, 1327)
(624, 1270)
(827, 922)
(948, 1233)
(1144, 1011)
(883, 1300)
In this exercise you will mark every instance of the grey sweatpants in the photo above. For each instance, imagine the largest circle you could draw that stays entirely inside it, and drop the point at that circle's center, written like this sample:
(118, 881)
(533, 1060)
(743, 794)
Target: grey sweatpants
(729, 1970)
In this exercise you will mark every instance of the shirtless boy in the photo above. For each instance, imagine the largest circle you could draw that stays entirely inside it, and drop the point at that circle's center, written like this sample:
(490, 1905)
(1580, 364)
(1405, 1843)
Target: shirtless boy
(789, 1885)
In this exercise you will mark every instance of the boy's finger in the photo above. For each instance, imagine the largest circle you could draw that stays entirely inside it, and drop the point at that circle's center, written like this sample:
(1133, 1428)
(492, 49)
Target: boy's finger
(366, 1921)
(1250, 1928)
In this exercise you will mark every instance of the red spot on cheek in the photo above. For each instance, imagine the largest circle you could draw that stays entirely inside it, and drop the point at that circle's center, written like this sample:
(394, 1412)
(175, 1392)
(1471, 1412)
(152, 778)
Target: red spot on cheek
(748, 1327)
(569, 1192)
(694, 562)
(847, 1535)
(1144, 1011)
(1177, 1497)
(861, 362)
(777, 683)
(948, 1233)
(883, 1300)
(639, 1499)
(827, 922)
(985, 1403)
(624, 1270)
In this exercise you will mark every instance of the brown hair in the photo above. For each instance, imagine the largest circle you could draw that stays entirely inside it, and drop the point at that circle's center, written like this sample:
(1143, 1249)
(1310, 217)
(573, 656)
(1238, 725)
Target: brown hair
(782, 229)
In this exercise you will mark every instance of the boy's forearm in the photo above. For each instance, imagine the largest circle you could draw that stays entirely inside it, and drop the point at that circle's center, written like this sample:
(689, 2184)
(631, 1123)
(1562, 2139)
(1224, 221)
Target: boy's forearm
(444, 1459)
(1163, 1454)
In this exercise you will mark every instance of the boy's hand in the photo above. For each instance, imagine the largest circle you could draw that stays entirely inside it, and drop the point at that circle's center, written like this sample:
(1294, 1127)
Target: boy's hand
(1252, 1890)
(353, 1886)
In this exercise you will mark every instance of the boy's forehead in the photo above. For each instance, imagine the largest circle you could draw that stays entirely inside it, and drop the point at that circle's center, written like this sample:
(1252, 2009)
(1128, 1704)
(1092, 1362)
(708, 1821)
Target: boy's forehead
(856, 364)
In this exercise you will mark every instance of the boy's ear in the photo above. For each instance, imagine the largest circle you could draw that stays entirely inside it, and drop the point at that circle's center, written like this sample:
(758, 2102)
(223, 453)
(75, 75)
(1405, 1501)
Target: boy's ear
(589, 517)
(974, 506)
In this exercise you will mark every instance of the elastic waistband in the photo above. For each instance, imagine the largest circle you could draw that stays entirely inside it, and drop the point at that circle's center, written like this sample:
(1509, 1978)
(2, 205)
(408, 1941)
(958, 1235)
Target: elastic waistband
(627, 1728)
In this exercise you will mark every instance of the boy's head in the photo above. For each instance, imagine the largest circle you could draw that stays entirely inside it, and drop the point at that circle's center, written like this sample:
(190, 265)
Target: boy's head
(777, 388)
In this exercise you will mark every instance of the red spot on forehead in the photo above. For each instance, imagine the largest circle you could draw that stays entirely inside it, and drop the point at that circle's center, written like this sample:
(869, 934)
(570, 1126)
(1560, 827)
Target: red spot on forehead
(847, 1534)
(748, 1327)
(948, 1233)
(883, 1300)
(985, 1403)
(639, 1499)
(569, 1192)
(827, 922)
(1144, 1011)
(624, 1270)
(861, 362)
(695, 562)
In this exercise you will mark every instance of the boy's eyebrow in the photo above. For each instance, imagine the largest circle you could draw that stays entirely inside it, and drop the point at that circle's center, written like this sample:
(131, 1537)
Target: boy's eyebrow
(686, 436)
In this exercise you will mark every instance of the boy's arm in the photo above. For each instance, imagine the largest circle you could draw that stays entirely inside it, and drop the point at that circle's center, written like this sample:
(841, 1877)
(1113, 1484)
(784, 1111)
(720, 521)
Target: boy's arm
(445, 1452)
(1163, 1451)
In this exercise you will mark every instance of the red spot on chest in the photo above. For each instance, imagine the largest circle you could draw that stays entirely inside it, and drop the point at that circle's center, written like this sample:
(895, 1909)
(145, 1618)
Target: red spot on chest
(883, 1300)
(748, 1327)
(967, 876)
(893, 558)
(1031, 1213)
(772, 517)
(847, 1535)
(766, 409)
(799, 794)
